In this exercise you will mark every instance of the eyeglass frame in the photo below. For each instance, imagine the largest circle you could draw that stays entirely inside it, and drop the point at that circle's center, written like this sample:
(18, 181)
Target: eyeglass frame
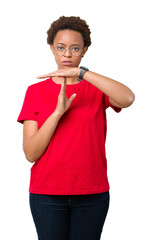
(69, 50)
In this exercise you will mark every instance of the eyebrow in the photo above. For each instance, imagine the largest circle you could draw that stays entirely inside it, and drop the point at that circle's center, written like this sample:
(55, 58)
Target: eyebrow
(71, 45)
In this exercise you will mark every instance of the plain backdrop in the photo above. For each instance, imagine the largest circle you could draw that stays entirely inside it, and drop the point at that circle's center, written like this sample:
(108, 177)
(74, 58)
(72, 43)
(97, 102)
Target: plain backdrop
(122, 50)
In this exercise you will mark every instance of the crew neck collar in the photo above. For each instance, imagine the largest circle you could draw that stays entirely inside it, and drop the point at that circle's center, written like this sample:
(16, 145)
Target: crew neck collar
(59, 84)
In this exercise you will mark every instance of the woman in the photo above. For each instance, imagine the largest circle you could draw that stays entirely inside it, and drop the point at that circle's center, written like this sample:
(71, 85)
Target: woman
(64, 136)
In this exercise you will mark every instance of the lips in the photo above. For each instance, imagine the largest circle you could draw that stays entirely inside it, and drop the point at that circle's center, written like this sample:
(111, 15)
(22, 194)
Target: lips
(67, 63)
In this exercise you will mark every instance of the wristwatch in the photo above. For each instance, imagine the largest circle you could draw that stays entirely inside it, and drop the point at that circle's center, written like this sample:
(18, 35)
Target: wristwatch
(82, 72)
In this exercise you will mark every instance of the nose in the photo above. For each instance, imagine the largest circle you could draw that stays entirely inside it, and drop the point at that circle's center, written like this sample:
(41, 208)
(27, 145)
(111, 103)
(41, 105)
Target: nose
(67, 52)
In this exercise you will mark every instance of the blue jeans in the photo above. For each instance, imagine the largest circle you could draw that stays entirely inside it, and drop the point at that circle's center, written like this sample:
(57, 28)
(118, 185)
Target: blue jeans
(69, 217)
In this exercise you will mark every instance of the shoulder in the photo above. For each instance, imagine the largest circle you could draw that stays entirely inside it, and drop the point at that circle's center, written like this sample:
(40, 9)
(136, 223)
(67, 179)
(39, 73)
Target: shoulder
(39, 85)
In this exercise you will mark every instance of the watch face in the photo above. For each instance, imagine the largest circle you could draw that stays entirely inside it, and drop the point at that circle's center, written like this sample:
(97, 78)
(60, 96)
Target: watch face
(84, 68)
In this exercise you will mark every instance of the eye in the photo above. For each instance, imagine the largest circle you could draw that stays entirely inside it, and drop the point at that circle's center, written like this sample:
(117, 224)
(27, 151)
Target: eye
(75, 49)
(60, 48)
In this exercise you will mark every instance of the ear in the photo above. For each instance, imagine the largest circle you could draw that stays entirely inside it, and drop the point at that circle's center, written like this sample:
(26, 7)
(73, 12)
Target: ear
(52, 48)
(84, 50)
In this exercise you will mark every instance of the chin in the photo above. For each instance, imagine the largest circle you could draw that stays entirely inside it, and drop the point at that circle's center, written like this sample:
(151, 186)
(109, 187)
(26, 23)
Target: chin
(67, 66)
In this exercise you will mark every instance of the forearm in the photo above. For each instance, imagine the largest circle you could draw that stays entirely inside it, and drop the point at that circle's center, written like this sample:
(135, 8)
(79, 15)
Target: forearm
(115, 90)
(37, 144)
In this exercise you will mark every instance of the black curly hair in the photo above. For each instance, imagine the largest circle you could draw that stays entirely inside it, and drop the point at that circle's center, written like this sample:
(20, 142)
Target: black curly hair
(71, 23)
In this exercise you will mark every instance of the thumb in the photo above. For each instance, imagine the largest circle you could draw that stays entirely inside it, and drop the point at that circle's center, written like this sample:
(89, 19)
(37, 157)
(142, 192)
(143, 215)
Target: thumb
(72, 97)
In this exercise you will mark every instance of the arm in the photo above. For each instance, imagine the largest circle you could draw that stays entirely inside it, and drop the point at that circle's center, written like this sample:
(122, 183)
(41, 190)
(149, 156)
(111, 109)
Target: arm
(35, 141)
(119, 94)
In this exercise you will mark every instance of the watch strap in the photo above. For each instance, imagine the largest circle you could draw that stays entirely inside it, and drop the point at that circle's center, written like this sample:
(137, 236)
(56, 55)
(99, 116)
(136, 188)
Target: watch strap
(82, 72)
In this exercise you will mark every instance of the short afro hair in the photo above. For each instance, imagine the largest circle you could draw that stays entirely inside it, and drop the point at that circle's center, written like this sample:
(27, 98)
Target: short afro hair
(71, 23)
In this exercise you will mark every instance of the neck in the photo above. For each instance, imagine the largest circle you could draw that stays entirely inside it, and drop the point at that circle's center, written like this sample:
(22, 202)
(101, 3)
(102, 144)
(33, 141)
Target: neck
(69, 80)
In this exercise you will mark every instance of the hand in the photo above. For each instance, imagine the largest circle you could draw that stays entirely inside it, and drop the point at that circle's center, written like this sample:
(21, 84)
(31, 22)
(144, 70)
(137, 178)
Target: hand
(64, 72)
(63, 102)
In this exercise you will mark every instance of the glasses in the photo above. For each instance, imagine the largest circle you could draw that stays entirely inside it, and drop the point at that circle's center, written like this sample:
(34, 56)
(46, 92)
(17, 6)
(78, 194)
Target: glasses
(74, 50)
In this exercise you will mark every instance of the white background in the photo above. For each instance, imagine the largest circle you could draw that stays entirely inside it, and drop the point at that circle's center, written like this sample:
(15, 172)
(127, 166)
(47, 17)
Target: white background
(122, 50)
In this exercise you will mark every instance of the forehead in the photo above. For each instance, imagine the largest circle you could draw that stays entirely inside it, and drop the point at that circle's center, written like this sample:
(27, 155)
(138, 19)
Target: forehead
(68, 37)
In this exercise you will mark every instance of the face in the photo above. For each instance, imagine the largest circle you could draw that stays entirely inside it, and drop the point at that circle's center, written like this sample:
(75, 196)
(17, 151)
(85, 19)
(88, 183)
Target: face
(68, 39)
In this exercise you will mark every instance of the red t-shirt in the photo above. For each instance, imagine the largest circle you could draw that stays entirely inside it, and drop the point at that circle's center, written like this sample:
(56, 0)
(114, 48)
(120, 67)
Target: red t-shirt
(74, 162)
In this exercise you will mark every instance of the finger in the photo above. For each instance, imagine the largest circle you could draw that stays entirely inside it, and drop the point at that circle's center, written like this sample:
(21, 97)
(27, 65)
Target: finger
(72, 97)
(63, 86)
(47, 75)
(63, 80)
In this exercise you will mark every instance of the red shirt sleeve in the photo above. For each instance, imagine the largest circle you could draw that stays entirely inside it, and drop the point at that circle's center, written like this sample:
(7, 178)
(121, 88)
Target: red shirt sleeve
(27, 111)
(108, 104)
